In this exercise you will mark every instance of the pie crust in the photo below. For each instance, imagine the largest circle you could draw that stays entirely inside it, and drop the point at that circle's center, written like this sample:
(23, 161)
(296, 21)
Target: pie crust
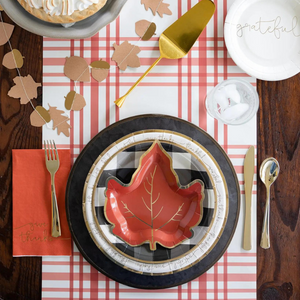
(62, 19)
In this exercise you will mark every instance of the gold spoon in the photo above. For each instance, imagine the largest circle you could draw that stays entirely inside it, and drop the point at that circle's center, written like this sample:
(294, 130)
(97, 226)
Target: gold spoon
(177, 40)
(268, 173)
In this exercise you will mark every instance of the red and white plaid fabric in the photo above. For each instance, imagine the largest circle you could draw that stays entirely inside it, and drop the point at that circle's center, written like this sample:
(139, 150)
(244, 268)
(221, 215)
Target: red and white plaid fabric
(174, 87)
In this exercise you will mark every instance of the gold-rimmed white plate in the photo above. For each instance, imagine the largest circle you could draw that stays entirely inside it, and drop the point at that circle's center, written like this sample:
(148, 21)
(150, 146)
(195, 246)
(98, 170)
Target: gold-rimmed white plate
(189, 157)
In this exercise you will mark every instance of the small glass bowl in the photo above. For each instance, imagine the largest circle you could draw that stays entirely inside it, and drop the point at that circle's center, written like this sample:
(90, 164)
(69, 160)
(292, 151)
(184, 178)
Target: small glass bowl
(233, 102)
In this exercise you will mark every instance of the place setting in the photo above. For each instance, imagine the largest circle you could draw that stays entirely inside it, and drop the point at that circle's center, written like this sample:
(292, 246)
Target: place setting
(147, 176)
(129, 260)
(40, 226)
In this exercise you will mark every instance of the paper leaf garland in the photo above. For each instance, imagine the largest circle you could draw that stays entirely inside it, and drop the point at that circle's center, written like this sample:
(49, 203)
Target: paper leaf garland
(39, 117)
(25, 87)
(100, 70)
(76, 68)
(74, 101)
(13, 59)
(145, 29)
(126, 55)
(157, 6)
(59, 121)
(6, 31)
(22, 83)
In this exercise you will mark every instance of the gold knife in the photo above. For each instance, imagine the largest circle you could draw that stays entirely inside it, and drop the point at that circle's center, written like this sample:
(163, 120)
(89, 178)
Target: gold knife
(249, 165)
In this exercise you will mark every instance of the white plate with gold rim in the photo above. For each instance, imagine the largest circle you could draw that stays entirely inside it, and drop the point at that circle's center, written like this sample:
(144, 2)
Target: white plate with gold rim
(188, 158)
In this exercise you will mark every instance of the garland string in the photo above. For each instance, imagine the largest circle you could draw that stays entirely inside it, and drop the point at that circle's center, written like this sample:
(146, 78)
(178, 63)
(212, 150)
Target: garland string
(75, 86)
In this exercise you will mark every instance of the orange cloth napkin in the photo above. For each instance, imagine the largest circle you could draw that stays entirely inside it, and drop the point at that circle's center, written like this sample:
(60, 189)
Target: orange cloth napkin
(32, 204)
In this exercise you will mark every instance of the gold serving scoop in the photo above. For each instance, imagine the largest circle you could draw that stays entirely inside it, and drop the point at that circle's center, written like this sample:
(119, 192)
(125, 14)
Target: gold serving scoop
(177, 40)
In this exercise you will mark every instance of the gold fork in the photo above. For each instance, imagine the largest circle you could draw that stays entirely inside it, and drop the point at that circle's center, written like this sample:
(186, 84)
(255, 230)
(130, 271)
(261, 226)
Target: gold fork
(52, 164)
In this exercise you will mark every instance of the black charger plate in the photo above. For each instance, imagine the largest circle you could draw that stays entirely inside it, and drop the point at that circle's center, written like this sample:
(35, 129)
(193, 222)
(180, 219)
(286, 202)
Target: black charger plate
(74, 194)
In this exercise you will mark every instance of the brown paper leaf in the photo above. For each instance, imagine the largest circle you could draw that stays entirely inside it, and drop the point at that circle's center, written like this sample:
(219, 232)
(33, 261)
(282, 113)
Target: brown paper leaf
(100, 64)
(74, 101)
(76, 68)
(13, 59)
(145, 29)
(56, 116)
(157, 6)
(39, 117)
(59, 121)
(6, 31)
(126, 55)
(64, 128)
(30, 92)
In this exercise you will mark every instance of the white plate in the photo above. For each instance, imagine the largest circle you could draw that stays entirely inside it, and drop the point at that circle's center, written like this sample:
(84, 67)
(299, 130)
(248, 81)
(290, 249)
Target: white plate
(263, 37)
(205, 240)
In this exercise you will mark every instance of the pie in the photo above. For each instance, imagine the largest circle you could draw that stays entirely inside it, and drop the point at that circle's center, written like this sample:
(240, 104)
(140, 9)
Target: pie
(62, 11)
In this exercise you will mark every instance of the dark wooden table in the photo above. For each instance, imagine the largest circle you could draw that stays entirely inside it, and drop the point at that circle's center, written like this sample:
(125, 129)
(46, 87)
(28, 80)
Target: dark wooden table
(20, 278)
(278, 269)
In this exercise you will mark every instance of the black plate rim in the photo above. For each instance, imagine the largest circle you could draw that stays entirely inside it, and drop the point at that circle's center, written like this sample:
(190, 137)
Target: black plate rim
(122, 275)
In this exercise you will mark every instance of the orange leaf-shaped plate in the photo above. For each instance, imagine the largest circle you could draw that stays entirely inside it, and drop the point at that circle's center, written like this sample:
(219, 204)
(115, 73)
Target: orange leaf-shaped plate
(154, 208)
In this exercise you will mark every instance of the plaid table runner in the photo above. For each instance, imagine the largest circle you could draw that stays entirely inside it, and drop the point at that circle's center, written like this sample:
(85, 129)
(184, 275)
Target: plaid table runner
(174, 87)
